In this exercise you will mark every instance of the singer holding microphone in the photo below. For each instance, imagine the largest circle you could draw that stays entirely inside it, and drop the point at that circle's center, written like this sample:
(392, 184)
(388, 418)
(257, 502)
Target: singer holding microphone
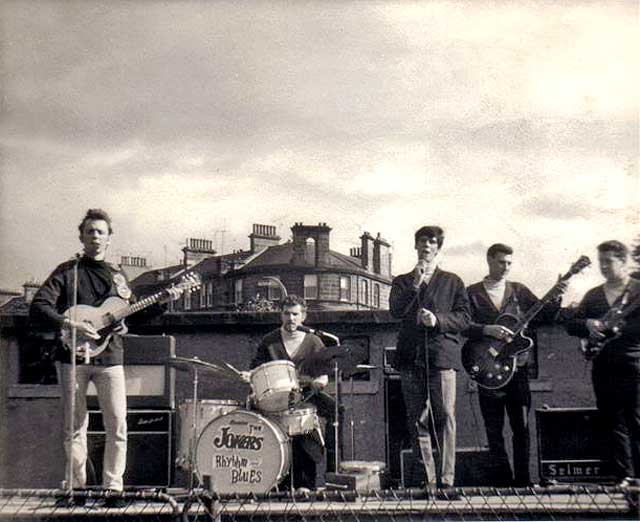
(94, 279)
(294, 342)
(434, 310)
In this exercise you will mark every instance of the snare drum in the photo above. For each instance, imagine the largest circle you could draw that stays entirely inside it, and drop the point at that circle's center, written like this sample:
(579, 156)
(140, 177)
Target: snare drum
(207, 411)
(242, 452)
(298, 421)
(275, 385)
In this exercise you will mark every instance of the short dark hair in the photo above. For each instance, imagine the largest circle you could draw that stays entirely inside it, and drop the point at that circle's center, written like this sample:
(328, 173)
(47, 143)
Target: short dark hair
(499, 248)
(430, 231)
(94, 214)
(293, 300)
(618, 249)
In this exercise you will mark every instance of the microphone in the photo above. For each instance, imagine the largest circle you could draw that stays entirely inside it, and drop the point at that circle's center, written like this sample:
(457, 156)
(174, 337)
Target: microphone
(421, 267)
(319, 333)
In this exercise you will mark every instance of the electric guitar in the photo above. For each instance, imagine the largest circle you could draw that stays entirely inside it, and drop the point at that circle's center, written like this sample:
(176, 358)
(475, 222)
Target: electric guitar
(613, 322)
(492, 362)
(108, 317)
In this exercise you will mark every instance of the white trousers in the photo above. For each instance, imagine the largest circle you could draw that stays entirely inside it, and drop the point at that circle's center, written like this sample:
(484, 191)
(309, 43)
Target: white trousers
(112, 397)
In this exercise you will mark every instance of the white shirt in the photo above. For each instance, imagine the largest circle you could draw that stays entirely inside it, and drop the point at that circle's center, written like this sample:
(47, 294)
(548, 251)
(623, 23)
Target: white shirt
(495, 290)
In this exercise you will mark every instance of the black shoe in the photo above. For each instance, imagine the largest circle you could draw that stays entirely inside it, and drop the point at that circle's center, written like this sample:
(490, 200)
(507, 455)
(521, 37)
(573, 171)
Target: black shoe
(115, 502)
(71, 502)
(448, 492)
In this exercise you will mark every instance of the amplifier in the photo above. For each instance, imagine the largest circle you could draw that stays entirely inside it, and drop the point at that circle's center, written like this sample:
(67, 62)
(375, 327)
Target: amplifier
(149, 449)
(150, 381)
(572, 445)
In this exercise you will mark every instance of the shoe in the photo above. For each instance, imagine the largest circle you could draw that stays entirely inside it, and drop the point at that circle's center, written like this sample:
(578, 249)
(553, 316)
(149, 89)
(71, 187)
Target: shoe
(448, 492)
(116, 501)
(71, 502)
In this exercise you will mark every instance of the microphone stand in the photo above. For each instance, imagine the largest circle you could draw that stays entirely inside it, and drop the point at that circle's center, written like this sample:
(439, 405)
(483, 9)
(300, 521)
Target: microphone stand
(72, 378)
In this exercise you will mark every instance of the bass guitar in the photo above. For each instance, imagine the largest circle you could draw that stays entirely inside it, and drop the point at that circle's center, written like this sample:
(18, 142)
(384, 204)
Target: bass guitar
(108, 317)
(613, 322)
(492, 362)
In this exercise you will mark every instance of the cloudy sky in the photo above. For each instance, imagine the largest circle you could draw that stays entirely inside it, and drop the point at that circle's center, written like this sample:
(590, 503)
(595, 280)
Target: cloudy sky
(501, 121)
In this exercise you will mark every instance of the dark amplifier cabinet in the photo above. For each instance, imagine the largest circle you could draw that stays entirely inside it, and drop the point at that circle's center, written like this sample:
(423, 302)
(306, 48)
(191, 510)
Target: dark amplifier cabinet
(572, 445)
(149, 448)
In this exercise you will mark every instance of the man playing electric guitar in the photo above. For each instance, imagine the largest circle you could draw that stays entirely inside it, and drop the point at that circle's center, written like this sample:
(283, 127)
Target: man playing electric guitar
(490, 298)
(95, 280)
(616, 368)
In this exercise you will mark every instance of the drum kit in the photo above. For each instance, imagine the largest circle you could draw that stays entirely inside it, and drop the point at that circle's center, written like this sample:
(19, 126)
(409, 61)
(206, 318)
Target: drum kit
(230, 447)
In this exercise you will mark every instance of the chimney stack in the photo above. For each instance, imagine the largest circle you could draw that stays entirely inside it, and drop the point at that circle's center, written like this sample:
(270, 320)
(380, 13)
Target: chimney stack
(320, 234)
(196, 250)
(262, 237)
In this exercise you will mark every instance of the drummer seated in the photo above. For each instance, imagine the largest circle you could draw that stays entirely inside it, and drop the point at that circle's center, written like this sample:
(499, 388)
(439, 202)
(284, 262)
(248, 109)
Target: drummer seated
(288, 343)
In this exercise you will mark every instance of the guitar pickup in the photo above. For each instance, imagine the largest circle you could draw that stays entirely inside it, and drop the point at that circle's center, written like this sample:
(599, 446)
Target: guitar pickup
(493, 352)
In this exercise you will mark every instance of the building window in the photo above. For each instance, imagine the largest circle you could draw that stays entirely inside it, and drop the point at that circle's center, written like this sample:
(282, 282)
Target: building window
(311, 286)
(345, 289)
(272, 289)
(210, 294)
(310, 251)
(376, 295)
(238, 291)
(364, 291)
(187, 300)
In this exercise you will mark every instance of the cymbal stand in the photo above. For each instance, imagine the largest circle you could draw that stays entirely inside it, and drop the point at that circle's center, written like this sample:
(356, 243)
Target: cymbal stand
(336, 422)
(351, 422)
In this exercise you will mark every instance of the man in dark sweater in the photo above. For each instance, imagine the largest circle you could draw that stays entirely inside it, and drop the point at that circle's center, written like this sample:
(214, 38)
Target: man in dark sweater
(490, 298)
(97, 280)
(616, 369)
(290, 344)
(434, 309)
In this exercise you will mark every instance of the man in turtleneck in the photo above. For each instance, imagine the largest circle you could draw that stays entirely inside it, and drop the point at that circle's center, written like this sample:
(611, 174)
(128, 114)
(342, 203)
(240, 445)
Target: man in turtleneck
(434, 309)
(616, 369)
(489, 298)
(290, 344)
(97, 281)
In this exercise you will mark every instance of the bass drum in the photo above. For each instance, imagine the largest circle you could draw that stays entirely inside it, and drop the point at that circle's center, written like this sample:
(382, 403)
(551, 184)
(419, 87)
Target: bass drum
(207, 411)
(242, 452)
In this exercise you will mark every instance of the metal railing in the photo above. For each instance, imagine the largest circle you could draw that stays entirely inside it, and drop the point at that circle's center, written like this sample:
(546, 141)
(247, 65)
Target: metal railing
(564, 502)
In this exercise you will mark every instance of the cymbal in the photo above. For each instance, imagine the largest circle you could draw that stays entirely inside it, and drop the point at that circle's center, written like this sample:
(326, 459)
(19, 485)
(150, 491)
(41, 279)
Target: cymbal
(188, 363)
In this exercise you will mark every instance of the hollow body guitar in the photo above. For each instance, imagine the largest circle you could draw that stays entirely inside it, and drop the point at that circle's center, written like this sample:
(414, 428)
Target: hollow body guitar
(109, 316)
(492, 362)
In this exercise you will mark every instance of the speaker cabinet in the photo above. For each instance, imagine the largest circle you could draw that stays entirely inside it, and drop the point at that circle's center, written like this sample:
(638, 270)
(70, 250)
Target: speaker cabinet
(572, 445)
(149, 449)
(150, 382)
(397, 435)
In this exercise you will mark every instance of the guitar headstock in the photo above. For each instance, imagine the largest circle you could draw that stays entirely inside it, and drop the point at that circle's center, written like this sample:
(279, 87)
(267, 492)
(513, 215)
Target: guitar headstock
(189, 282)
(582, 263)
(560, 287)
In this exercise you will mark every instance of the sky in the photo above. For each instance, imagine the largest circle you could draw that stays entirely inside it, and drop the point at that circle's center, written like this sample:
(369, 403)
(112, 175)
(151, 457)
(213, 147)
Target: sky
(513, 122)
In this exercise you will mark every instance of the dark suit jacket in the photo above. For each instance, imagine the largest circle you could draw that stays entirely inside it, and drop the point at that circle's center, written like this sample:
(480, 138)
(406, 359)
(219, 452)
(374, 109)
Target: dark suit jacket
(446, 297)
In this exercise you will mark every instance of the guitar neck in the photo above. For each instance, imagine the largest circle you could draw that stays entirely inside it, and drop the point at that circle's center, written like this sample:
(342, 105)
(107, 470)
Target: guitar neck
(137, 306)
(552, 294)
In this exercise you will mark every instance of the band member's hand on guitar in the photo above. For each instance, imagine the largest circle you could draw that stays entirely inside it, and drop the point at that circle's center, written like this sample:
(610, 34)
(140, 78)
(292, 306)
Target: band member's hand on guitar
(83, 328)
(596, 328)
(498, 332)
(427, 318)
